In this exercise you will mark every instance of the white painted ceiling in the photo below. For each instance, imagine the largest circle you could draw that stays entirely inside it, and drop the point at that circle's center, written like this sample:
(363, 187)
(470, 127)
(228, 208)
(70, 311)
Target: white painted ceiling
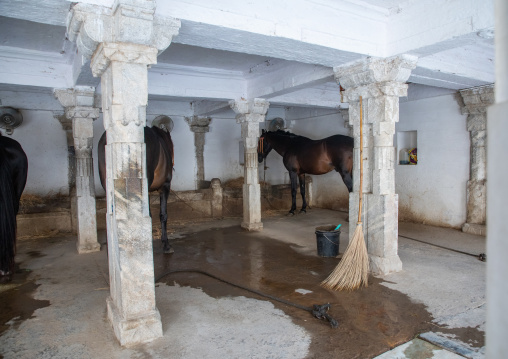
(281, 50)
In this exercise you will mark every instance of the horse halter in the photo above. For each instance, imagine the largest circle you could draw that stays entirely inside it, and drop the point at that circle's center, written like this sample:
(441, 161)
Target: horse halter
(261, 144)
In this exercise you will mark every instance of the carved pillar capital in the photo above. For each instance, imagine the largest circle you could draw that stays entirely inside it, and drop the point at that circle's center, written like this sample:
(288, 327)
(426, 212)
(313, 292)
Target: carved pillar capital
(198, 124)
(375, 77)
(128, 21)
(250, 110)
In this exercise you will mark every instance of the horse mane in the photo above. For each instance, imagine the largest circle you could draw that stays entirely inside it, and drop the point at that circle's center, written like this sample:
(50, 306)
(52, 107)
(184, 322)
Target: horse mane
(291, 135)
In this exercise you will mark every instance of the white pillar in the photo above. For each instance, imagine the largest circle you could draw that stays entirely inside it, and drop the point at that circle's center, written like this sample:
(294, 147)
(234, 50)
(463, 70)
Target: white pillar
(78, 104)
(497, 196)
(380, 82)
(124, 41)
(249, 113)
(476, 101)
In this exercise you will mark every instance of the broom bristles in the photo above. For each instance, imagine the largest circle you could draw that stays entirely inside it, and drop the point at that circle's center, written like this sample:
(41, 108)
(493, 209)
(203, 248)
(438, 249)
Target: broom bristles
(353, 269)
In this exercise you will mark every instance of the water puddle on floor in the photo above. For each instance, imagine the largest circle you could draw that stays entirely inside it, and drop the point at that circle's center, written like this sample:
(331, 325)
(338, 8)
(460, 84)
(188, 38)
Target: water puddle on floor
(371, 320)
(16, 300)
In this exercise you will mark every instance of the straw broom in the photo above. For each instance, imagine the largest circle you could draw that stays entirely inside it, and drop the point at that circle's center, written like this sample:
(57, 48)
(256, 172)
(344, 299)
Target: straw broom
(352, 271)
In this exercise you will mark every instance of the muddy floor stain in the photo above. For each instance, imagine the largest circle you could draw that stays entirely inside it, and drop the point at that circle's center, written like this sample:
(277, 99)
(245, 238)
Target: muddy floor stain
(17, 303)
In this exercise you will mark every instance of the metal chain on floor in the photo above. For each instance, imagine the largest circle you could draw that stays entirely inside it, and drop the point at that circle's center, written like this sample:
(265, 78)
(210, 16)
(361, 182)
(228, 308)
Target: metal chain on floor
(482, 256)
(317, 310)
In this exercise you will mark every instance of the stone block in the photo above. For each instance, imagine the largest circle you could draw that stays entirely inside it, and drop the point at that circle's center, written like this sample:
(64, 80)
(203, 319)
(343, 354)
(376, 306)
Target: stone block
(382, 225)
(82, 127)
(476, 201)
(138, 330)
(383, 181)
(384, 265)
(384, 158)
(478, 163)
(476, 229)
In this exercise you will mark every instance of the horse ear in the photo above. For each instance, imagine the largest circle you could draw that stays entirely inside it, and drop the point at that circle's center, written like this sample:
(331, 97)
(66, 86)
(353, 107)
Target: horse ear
(263, 131)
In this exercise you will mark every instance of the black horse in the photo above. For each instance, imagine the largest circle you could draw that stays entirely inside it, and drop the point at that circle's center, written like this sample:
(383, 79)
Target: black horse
(159, 170)
(302, 155)
(13, 173)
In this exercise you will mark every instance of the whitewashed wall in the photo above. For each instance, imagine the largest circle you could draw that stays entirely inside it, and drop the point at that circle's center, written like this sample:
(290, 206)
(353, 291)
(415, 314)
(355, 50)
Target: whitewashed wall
(434, 191)
(45, 144)
(222, 149)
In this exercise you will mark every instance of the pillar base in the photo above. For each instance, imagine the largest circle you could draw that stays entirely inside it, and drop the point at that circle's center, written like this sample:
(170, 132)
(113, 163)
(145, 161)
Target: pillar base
(472, 228)
(384, 265)
(88, 247)
(252, 226)
(134, 331)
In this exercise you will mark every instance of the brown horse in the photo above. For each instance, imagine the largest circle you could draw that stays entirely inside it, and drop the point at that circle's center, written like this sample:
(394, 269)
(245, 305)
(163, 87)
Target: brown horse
(159, 171)
(13, 174)
(302, 155)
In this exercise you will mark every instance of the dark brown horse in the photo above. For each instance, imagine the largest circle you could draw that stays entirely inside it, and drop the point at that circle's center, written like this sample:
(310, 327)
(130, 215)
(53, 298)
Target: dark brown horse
(159, 171)
(302, 155)
(13, 173)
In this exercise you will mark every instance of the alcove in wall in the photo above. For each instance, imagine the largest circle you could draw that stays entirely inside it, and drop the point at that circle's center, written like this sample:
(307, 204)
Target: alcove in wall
(407, 148)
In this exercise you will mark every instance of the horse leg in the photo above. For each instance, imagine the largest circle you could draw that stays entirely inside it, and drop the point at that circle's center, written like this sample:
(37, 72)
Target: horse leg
(293, 178)
(301, 178)
(164, 192)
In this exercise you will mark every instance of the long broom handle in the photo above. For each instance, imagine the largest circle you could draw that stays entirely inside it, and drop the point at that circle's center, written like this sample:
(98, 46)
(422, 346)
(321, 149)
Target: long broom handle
(361, 161)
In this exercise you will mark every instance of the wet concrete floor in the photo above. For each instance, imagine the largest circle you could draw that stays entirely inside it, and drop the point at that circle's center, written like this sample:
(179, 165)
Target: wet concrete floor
(371, 321)
(280, 261)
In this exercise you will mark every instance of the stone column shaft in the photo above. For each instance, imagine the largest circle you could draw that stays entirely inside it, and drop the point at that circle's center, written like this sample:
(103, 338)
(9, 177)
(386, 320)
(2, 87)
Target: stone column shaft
(249, 115)
(79, 109)
(131, 307)
(380, 82)
(200, 126)
(122, 42)
(476, 101)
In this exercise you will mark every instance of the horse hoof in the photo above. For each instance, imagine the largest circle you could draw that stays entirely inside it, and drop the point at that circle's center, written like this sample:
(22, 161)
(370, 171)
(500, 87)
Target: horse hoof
(169, 250)
(303, 211)
(291, 213)
(5, 277)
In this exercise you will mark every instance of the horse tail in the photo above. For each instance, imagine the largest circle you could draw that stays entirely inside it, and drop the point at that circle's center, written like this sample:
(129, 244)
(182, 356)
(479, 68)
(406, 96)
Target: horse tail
(7, 215)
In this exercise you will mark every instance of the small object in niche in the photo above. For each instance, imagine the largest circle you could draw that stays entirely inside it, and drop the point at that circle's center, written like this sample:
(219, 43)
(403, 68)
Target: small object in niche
(404, 156)
(412, 157)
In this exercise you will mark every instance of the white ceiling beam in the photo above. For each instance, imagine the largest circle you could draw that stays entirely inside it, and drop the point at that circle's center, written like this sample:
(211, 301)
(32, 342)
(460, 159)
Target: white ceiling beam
(27, 67)
(208, 108)
(286, 79)
(195, 82)
(427, 27)
(327, 96)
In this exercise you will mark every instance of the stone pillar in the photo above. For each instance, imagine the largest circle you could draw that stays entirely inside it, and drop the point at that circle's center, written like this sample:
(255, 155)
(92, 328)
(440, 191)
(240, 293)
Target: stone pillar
(71, 159)
(199, 126)
(380, 82)
(345, 116)
(476, 101)
(123, 42)
(216, 187)
(78, 104)
(249, 113)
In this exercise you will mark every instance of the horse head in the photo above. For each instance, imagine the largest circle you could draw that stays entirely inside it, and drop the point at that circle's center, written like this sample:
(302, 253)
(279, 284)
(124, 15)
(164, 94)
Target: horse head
(264, 146)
